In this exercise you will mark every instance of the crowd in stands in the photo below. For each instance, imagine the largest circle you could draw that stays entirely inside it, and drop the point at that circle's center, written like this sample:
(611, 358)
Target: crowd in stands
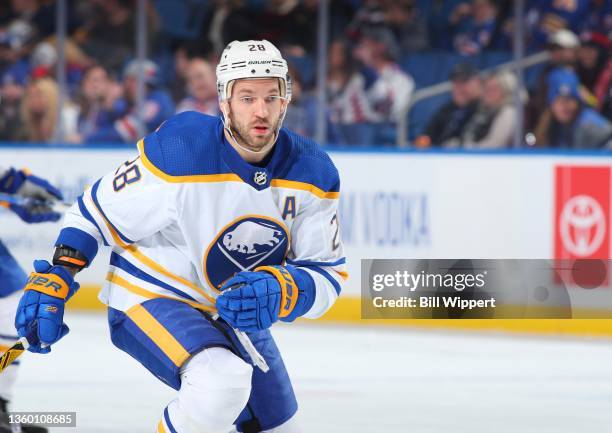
(380, 52)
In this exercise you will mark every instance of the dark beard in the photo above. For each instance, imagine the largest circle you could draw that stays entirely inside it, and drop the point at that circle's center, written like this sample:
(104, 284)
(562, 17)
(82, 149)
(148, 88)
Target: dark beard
(241, 136)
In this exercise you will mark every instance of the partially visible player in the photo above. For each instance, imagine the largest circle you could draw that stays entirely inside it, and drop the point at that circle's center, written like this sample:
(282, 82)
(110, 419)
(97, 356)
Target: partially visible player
(39, 196)
(231, 217)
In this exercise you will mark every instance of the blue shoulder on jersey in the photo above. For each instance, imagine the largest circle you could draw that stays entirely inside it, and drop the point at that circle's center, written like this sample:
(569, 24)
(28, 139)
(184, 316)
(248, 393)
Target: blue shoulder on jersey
(190, 144)
(312, 164)
(186, 144)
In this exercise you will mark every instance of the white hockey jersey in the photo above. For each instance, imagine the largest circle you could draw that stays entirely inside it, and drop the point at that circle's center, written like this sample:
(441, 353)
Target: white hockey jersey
(188, 213)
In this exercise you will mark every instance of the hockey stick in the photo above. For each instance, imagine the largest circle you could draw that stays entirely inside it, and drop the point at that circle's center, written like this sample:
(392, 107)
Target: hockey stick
(246, 342)
(256, 358)
(17, 349)
(14, 352)
(10, 199)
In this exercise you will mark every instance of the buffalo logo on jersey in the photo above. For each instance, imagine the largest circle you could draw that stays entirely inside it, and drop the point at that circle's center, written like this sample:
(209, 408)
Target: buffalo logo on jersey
(245, 244)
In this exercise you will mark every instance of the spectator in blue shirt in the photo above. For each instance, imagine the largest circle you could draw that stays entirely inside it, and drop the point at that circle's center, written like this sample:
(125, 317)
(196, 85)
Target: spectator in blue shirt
(599, 17)
(568, 122)
(12, 89)
(16, 41)
(445, 18)
(94, 101)
(550, 16)
(563, 49)
(302, 113)
(128, 126)
(202, 88)
(476, 34)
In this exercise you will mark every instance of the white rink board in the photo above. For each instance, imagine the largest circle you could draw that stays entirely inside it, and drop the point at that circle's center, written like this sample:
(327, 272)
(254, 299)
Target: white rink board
(393, 205)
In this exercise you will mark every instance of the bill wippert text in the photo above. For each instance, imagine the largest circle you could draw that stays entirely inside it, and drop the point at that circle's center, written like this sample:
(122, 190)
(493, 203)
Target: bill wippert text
(433, 302)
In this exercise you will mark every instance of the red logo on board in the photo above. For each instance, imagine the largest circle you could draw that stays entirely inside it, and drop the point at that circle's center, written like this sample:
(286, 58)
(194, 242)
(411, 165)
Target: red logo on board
(582, 212)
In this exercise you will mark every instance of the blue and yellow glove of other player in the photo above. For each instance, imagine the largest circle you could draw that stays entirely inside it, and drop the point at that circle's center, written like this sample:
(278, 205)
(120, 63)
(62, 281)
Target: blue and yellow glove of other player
(39, 195)
(253, 301)
(40, 314)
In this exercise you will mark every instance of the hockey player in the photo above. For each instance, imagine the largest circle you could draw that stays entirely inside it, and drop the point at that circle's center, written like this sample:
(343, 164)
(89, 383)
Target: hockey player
(231, 217)
(12, 278)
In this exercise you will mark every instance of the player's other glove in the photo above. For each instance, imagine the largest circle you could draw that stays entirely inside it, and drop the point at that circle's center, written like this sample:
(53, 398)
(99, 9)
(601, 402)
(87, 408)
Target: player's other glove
(40, 314)
(39, 195)
(253, 301)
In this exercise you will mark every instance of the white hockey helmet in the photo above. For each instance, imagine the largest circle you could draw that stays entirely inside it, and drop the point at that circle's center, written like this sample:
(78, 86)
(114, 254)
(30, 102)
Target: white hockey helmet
(251, 59)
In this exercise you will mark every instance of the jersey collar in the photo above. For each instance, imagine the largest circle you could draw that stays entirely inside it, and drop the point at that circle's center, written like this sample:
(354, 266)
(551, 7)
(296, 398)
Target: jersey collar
(259, 177)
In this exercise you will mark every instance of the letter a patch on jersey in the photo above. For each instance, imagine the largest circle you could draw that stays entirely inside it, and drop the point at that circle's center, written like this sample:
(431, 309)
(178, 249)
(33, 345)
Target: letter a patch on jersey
(289, 208)
(243, 245)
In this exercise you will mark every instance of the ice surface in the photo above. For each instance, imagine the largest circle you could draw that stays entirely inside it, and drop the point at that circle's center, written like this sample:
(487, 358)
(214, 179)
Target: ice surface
(353, 379)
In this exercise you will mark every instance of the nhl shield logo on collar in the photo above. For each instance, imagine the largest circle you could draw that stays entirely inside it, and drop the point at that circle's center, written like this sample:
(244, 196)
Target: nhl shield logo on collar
(260, 177)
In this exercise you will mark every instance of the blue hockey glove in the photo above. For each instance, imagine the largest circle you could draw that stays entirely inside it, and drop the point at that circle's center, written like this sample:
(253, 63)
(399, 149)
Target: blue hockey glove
(40, 314)
(38, 196)
(21, 182)
(253, 301)
(250, 301)
(33, 211)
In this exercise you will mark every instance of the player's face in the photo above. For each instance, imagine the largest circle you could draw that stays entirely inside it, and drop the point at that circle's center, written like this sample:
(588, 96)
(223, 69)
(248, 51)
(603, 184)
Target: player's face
(254, 110)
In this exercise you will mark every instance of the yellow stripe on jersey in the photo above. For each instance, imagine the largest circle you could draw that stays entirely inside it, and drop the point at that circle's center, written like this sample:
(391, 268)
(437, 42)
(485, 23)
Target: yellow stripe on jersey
(137, 290)
(160, 427)
(158, 334)
(196, 178)
(344, 275)
(230, 177)
(133, 250)
(153, 265)
(303, 186)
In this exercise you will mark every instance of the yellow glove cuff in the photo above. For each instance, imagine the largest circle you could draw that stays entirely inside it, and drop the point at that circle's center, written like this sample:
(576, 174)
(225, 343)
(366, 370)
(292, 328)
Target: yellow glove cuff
(289, 290)
(49, 284)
